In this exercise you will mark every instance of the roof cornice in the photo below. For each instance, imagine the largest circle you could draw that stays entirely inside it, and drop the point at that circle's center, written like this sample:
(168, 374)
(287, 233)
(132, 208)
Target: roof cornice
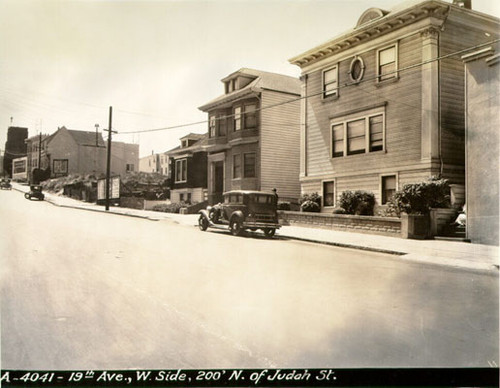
(374, 29)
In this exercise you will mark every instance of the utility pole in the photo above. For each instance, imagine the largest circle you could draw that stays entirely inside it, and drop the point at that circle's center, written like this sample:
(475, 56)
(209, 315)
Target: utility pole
(39, 154)
(108, 164)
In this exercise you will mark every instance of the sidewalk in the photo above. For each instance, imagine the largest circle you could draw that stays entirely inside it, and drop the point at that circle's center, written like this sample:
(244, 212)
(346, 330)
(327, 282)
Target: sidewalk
(449, 253)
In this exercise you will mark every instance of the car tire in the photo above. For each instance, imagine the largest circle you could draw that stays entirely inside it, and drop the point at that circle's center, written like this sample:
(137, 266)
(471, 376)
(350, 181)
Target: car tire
(203, 223)
(27, 196)
(269, 232)
(235, 227)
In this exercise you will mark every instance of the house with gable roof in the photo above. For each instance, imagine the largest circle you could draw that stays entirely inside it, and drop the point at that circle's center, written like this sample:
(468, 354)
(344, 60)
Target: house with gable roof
(188, 169)
(384, 103)
(69, 151)
(253, 135)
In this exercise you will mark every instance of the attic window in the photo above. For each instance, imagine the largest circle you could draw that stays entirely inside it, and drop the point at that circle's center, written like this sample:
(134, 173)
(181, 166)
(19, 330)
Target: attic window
(369, 15)
(231, 86)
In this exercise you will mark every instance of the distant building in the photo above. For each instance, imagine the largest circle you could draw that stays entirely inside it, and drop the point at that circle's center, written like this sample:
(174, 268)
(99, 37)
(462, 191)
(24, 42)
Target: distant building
(14, 147)
(253, 135)
(36, 155)
(69, 151)
(150, 163)
(19, 169)
(482, 144)
(124, 158)
(188, 169)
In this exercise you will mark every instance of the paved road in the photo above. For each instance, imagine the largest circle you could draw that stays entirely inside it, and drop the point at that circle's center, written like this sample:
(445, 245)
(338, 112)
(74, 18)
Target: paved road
(85, 290)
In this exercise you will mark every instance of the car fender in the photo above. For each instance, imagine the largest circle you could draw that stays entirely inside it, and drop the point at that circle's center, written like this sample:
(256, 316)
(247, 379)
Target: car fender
(237, 214)
(205, 214)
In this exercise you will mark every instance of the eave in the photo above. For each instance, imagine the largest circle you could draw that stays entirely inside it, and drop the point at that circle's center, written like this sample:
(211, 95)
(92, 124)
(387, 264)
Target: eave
(372, 30)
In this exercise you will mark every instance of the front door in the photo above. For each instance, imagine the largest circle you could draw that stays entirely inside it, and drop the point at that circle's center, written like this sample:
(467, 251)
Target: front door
(218, 182)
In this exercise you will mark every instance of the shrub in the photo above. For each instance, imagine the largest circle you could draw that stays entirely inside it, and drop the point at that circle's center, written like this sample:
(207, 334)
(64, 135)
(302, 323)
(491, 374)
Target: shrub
(357, 202)
(169, 208)
(419, 198)
(284, 206)
(310, 202)
(310, 206)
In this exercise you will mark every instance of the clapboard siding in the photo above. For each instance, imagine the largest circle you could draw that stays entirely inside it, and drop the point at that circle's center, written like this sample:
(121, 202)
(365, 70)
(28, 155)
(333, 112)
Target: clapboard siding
(279, 144)
(402, 114)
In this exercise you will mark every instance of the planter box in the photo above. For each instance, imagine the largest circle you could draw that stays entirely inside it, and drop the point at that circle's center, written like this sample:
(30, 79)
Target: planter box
(415, 226)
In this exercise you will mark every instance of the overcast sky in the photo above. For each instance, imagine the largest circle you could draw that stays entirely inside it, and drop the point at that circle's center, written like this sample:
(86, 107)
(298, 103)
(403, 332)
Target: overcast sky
(65, 62)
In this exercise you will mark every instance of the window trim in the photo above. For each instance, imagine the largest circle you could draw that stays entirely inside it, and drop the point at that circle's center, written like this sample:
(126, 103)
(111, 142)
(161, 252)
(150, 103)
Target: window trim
(361, 74)
(334, 181)
(335, 92)
(381, 185)
(349, 119)
(181, 162)
(396, 62)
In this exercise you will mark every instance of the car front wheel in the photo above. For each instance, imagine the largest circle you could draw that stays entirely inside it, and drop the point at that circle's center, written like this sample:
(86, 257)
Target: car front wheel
(202, 223)
(235, 227)
(269, 232)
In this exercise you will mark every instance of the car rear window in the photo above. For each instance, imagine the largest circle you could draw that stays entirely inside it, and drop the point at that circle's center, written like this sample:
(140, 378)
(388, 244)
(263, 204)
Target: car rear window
(259, 198)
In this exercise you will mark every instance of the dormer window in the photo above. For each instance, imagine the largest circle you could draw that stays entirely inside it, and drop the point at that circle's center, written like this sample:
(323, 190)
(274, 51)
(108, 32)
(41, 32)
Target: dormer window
(184, 143)
(231, 86)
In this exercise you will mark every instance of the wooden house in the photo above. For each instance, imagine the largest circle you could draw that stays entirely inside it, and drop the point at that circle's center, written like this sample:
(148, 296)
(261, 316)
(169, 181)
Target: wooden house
(188, 169)
(384, 103)
(253, 135)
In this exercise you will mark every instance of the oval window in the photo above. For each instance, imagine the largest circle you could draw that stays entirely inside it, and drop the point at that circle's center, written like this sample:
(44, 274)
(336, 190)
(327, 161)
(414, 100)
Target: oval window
(357, 69)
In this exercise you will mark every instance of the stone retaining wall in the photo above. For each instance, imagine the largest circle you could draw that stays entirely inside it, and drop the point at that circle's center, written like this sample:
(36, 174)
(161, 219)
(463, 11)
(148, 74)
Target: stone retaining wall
(385, 226)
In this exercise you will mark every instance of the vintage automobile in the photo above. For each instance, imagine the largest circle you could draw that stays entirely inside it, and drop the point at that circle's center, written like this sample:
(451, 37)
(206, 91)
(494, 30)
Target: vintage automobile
(5, 184)
(243, 210)
(35, 192)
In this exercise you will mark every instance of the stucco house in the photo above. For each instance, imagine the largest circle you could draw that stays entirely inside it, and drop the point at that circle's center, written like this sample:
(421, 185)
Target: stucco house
(483, 144)
(253, 134)
(384, 103)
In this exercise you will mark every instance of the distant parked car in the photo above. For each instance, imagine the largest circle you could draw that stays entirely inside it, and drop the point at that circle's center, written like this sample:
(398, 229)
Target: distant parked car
(242, 210)
(5, 184)
(35, 192)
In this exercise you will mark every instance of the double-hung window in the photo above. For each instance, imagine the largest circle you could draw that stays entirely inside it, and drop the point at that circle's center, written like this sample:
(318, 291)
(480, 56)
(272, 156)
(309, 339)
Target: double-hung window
(245, 116)
(388, 187)
(181, 170)
(250, 116)
(212, 126)
(387, 59)
(357, 136)
(328, 193)
(236, 166)
(237, 118)
(249, 165)
(330, 82)
(221, 122)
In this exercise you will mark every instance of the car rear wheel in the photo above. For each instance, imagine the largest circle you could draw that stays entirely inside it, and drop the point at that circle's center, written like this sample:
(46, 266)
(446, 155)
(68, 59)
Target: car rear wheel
(269, 232)
(202, 223)
(27, 196)
(235, 227)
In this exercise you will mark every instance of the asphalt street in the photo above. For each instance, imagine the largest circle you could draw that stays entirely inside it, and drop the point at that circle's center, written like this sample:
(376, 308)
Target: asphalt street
(86, 290)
